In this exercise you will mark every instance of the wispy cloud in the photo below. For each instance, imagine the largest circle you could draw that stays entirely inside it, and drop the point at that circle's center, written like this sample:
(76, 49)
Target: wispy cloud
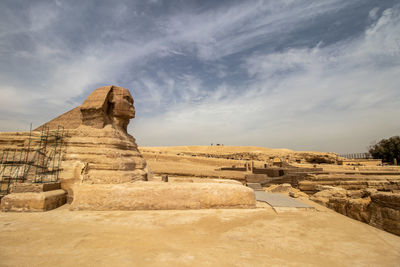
(225, 31)
(261, 73)
(338, 97)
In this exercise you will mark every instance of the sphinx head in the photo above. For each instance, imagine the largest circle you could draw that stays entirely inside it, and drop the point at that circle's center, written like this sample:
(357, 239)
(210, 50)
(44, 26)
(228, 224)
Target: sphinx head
(108, 105)
(122, 103)
(122, 109)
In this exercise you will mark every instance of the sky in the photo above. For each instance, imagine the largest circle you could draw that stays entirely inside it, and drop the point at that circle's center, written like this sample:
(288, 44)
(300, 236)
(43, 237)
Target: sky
(305, 75)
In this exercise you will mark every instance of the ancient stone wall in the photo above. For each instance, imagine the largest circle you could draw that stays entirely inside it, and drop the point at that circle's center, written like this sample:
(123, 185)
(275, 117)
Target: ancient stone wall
(379, 209)
(380, 181)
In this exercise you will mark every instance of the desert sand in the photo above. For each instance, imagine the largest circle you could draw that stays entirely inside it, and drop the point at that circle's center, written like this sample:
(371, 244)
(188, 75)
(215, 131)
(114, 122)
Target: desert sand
(202, 161)
(215, 237)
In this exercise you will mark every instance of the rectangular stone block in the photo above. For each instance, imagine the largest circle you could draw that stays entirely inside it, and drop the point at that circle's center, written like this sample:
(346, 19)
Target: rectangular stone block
(33, 201)
(257, 178)
(271, 172)
(35, 188)
(161, 196)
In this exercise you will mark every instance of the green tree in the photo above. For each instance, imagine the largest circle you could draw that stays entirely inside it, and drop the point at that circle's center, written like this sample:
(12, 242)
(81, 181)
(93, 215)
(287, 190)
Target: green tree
(387, 150)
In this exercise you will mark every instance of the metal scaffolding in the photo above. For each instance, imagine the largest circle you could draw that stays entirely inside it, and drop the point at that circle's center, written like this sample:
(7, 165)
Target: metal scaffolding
(36, 162)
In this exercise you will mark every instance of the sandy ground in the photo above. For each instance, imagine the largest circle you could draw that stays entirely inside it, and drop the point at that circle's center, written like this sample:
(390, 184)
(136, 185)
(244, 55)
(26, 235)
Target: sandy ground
(218, 149)
(169, 160)
(252, 237)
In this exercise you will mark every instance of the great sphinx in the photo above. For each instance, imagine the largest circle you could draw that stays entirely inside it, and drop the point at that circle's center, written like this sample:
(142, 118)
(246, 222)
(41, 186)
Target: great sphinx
(102, 168)
(98, 149)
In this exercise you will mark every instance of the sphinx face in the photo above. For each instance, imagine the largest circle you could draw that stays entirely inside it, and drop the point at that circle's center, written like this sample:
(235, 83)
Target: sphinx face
(123, 103)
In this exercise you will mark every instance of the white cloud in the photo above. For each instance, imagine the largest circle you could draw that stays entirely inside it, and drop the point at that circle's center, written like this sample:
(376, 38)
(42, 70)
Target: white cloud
(300, 97)
(214, 34)
(336, 97)
(373, 13)
(226, 31)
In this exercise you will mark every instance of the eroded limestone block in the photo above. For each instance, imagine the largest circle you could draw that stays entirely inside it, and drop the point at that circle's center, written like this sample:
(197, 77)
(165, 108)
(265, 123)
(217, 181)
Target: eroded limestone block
(33, 201)
(387, 200)
(379, 209)
(34, 188)
(161, 196)
(385, 211)
(257, 178)
(203, 180)
(281, 188)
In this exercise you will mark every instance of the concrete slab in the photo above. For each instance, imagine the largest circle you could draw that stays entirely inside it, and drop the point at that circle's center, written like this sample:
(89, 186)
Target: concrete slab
(279, 201)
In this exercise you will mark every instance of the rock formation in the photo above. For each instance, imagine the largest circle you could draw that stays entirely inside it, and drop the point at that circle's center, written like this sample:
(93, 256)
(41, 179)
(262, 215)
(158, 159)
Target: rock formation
(379, 209)
(382, 181)
(286, 189)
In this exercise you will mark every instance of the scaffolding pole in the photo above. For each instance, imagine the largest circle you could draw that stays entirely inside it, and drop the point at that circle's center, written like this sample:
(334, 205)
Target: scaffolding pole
(42, 167)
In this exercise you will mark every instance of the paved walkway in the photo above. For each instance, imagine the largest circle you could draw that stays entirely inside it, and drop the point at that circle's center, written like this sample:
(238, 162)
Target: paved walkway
(279, 201)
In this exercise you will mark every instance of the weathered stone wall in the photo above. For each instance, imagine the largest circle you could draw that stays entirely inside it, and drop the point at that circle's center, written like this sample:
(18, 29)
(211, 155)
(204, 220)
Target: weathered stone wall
(351, 182)
(385, 211)
(379, 209)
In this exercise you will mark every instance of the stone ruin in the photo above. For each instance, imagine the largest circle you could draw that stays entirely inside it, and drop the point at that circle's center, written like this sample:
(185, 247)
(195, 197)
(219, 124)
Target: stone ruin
(102, 168)
(372, 197)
